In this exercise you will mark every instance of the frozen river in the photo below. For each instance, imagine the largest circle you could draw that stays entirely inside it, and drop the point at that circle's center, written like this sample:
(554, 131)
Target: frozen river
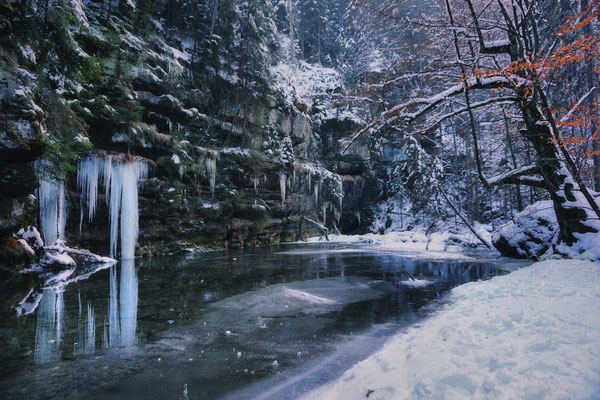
(258, 323)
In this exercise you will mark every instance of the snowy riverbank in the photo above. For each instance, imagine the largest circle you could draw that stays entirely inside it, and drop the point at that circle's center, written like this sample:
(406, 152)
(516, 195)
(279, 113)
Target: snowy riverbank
(415, 244)
(532, 334)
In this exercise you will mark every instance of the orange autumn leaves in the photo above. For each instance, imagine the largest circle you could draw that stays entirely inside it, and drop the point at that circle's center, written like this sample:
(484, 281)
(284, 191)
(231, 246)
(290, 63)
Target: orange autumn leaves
(576, 49)
(581, 121)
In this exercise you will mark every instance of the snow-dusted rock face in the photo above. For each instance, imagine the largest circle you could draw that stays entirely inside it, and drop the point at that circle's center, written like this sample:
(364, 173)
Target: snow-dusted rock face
(221, 158)
(530, 235)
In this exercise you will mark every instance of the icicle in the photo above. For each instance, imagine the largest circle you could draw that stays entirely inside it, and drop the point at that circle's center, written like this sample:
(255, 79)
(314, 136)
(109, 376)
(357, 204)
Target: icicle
(129, 210)
(211, 170)
(340, 192)
(255, 183)
(325, 213)
(114, 204)
(121, 189)
(358, 217)
(88, 175)
(316, 195)
(123, 203)
(53, 210)
(282, 186)
(309, 181)
(80, 215)
(107, 172)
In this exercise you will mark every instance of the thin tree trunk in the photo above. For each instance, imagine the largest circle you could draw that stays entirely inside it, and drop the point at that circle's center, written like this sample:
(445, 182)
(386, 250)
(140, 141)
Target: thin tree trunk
(213, 20)
(514, 161)
(463, 219)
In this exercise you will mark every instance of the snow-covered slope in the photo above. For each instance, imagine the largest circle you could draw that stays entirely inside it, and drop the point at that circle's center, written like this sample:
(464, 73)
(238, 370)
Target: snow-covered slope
(306, 81)
(533, 334)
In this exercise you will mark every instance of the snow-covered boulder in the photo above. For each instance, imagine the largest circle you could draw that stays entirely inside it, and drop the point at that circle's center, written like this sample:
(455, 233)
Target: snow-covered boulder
(531, 233)
(61, 254)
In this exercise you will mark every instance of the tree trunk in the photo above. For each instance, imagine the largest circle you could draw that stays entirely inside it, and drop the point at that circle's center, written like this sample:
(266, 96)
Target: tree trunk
(593, 81)
(570, 208)
(213, 19)
(514, 161)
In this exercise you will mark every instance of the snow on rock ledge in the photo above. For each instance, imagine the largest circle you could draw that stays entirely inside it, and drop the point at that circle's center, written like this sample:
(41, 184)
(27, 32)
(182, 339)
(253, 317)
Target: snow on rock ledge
(530, 235)
(532, 334)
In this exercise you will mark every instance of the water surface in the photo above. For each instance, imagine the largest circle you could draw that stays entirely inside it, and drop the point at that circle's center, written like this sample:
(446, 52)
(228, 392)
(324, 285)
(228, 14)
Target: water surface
(258, 323)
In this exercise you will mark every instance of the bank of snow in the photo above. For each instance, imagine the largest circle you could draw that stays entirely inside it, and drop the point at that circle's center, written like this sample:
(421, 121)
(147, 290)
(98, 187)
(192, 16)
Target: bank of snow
(533, 334)
(438, 245)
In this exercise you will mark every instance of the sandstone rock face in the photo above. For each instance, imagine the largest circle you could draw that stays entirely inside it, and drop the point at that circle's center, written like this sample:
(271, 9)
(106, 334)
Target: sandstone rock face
(16, 212)
(21, 129)
(148, 103)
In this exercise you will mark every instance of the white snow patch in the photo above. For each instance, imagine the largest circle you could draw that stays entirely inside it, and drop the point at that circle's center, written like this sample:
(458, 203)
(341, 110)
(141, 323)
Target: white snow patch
(533, 334)
(306, 81)
(60, 258)
(77, 6)
(417, 283)
(236, 151)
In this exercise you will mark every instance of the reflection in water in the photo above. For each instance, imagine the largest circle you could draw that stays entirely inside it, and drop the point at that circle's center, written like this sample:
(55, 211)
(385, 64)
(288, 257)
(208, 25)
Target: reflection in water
(48, 332)
(197, 296)
(122, 316)
(129, 302)
(90, 333)
(86, 336)
(114, 331)
(122, 319)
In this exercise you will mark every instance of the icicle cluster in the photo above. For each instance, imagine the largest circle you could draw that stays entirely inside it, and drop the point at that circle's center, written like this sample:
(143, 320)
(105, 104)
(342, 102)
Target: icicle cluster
(88, 172)
(53, 210)
(121, 188)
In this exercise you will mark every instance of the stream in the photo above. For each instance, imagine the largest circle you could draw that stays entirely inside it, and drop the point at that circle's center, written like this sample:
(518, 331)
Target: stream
(257, 323)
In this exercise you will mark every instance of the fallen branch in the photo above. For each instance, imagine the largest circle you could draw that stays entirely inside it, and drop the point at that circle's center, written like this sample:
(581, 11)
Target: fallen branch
(320, 226)
(463, 219)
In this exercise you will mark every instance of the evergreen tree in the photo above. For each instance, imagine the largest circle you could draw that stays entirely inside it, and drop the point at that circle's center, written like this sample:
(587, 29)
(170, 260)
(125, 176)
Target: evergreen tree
(255, 44)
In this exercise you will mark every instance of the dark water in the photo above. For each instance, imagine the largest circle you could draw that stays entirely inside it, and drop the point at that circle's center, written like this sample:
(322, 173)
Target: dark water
(259, 323)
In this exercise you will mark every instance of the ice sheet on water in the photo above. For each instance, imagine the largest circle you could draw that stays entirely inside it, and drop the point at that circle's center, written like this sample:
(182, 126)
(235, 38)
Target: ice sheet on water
(417, 283)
